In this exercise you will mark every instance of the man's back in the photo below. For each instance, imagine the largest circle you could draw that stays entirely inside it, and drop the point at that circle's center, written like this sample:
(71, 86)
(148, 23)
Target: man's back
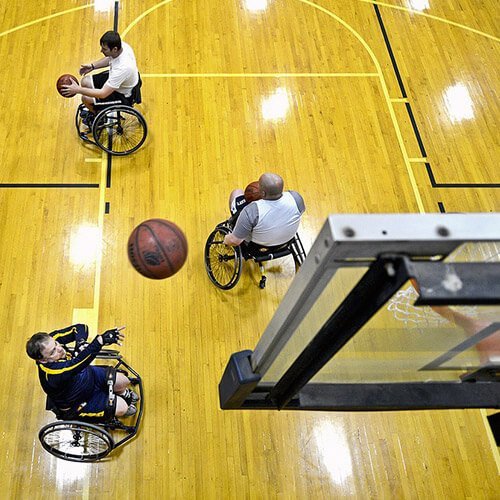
(271, 222)
(65, 388)
(123, 75)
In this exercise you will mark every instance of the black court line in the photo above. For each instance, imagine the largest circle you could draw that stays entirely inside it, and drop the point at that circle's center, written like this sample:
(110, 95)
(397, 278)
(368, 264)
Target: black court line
(110, 156)
(415, 130)
(72, 186)
(414, 125)
(108, 171)
(389, 49)
(441, 207)
(106, 208)
(42, 185)
(455, 184)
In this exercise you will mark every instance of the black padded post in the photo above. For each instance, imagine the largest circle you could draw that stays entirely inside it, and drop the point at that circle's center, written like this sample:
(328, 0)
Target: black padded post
(238, 381)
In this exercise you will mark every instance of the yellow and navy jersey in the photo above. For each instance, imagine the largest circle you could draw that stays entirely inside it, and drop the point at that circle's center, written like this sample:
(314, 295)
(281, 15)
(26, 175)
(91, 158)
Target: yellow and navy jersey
(70, 381)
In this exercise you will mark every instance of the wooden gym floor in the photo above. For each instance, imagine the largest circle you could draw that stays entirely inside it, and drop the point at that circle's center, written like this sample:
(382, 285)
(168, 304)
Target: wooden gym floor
(362, 106)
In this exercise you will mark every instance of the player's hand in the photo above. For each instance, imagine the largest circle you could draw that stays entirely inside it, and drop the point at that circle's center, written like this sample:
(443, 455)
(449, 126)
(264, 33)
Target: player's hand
(70, 90)
(113, 336)
(85, 68)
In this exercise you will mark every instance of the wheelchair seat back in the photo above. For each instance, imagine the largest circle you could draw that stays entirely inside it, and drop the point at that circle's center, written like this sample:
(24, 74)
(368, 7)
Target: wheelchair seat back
(136, 96)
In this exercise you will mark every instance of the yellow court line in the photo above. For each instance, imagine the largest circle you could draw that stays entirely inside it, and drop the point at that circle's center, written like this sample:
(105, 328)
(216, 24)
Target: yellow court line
(399, 135)
(385, 91)
(46, 18)
(417, 160)
(100, 225)
(430, 16)
(93, 160)
(142, 16)
(90, 316)
(399, 99)
(255, 75)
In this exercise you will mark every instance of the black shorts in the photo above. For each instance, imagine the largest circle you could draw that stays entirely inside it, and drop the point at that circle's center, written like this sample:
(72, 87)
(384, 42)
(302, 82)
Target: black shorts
(115, 97)
(98, 406)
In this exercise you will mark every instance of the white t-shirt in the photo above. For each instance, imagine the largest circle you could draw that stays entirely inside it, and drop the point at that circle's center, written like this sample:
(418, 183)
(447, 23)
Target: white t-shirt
(123, 73)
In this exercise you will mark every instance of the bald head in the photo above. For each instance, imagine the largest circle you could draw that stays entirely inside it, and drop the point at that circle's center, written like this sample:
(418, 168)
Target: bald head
(271, 186)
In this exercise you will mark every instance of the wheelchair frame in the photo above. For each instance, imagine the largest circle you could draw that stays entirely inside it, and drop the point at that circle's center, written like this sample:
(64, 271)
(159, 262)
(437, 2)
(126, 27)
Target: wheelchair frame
(63, 438)
(223, 263)
(117, 121)
(112, 127)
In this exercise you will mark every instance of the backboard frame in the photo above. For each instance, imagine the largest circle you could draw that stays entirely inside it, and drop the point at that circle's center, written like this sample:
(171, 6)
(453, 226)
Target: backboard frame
(397, 247)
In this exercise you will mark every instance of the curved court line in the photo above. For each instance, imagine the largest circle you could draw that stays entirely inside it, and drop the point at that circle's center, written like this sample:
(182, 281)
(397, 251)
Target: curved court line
(46, 18)
(385, 91)
(436, 18)
(143, 15)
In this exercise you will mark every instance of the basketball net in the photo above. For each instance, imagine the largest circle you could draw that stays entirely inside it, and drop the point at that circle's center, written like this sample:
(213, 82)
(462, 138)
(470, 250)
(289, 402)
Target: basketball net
(402, 303)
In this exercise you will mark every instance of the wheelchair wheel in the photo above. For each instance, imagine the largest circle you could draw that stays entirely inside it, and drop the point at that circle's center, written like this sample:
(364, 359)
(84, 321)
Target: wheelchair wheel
(76, 441)
(222, 262)
(119, 130)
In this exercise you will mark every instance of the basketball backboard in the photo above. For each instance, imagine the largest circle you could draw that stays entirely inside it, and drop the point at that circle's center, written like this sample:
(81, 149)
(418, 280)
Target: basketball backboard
(395, 311)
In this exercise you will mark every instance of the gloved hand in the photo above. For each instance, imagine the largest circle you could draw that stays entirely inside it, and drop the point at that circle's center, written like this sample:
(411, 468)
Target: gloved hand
(112, 336)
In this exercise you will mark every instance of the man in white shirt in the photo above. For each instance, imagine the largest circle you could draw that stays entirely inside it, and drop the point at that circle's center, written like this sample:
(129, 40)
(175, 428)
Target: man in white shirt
(114, 85)
(270, 221)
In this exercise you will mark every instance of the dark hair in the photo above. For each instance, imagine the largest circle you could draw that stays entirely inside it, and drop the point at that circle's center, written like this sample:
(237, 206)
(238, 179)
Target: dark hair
(35, 345)
(111, 39)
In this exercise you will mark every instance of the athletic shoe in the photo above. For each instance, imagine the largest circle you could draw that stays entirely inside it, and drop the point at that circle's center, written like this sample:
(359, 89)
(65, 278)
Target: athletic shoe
(88, 119)
(130, 396)
(132, 410)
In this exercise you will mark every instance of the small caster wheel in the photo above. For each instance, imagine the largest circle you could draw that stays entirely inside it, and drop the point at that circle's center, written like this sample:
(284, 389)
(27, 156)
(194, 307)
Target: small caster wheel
(262, 282)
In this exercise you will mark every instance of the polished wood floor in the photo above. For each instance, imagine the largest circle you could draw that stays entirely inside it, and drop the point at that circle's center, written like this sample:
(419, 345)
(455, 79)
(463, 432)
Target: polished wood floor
(342, 134)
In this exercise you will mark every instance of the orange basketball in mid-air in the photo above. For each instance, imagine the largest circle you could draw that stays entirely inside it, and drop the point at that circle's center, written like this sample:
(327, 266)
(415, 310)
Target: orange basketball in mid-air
(252, 192)
(65, 80)
(157, 248)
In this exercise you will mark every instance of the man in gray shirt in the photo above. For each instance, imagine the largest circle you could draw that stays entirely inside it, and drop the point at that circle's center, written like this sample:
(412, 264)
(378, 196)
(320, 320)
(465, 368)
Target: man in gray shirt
(270, 221)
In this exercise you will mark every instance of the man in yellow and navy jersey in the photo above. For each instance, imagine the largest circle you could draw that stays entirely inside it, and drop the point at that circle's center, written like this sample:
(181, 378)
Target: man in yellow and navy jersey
(73, 385)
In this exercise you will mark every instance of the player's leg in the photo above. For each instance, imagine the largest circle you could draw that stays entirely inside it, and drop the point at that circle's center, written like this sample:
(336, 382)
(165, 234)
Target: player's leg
(99, 401)
(87, 82)
(488, 348)
(96, 81)
(123, 409)
(122, 389)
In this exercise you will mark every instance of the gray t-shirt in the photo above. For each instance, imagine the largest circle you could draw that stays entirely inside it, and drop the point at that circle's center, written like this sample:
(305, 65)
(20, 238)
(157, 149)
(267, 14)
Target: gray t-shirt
(270, 222)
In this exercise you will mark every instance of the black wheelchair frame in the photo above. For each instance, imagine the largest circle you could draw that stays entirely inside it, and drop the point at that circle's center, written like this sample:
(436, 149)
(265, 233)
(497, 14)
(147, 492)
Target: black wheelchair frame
(85, 440)
(223, 263)
(117, 128)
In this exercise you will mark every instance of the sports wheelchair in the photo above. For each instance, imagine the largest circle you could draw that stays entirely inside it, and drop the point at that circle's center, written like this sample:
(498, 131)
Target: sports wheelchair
(90, 439)
(223, 262)
(118, 129)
